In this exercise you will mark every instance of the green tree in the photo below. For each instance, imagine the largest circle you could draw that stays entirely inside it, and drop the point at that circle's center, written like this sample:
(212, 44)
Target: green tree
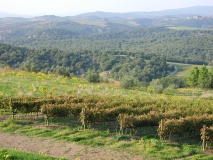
(128, 82)
(157, 85)
(203, 78)
(192, 79)
(211, 78)
(93, 76)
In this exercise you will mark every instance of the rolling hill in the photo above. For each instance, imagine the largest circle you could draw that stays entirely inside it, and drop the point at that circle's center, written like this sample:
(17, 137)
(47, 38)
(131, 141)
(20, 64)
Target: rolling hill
(196, 10)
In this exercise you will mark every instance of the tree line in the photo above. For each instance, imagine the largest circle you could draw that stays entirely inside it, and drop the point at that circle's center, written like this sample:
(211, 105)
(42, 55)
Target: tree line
(202, 77)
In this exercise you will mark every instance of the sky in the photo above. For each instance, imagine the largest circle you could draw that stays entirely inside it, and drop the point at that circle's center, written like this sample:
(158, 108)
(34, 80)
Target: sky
(68, 7)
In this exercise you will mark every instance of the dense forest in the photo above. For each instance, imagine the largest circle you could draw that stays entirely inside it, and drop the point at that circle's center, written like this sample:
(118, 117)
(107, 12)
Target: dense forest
(185, 46)
(120, 64)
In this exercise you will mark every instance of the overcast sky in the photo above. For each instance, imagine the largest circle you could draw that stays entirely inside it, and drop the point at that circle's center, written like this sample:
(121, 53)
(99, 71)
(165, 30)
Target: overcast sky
(63, 7)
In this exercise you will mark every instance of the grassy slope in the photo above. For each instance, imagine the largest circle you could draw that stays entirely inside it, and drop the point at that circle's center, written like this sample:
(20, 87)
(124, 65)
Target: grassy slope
(14, 84)
(183, 69)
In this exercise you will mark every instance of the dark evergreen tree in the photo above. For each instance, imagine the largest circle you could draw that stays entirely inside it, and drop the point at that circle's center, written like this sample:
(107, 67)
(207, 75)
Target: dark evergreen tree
(203, 78)
(192, 79)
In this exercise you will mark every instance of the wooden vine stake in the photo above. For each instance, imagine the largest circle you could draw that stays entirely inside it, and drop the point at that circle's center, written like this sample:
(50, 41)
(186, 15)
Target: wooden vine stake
(161, 126)
(121, 117)
(160, 129)
(46, 120)
(203, 136)
(12, 108)
(82, 117)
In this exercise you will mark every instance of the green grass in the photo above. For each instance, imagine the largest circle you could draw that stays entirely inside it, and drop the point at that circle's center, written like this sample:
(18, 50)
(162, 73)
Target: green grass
(183, 69)
(184, 92)
(146, 146)
(14, 84)
(12, 154)
(18, 84)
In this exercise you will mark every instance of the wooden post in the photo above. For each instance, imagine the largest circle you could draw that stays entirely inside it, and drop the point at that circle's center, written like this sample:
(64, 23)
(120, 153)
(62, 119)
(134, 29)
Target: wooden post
(161, 123)
(161, 128)
(82, 117)
(121, 126)
(204, 137)
(203, 144)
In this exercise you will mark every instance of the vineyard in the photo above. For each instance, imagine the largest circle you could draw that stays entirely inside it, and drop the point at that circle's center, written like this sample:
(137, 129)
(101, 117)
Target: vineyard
(179, 115)
(99, 108)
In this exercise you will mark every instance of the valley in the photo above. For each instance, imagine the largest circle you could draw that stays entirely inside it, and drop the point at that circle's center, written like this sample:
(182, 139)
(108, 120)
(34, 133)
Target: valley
(105, 85)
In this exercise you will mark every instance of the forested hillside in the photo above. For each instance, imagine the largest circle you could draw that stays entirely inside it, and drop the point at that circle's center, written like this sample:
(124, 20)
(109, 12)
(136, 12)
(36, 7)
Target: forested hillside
(188, 46)
(123, 47)
(120, 64)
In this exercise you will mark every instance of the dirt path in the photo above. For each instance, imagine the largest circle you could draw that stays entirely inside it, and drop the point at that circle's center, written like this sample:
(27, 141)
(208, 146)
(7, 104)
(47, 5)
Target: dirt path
(175, 71)
(207, 95)
(60, 148)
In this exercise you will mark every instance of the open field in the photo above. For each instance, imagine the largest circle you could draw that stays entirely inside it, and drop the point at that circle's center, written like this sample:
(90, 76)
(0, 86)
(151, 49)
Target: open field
(183, 69)
(103, 23)
(20, 83)
(13, 84)
(90, 22)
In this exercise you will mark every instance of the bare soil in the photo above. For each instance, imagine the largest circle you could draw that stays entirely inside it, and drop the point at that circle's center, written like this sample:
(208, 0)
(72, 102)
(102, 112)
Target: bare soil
(60, 148)
(207, 95)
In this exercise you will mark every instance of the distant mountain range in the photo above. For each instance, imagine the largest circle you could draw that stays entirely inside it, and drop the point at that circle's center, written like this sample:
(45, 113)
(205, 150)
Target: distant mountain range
(4, 15)
(196, 10)
(50, 27)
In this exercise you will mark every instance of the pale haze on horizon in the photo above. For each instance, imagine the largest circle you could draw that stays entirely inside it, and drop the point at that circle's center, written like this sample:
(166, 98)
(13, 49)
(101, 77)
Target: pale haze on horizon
(63, 7)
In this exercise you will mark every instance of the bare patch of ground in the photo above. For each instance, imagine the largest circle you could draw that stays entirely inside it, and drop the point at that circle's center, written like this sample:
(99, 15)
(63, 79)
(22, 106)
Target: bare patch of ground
(207, 95)
(60, 148)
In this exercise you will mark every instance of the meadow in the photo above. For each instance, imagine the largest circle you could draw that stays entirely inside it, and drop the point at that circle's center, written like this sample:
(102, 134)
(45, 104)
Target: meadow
(184, 69)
